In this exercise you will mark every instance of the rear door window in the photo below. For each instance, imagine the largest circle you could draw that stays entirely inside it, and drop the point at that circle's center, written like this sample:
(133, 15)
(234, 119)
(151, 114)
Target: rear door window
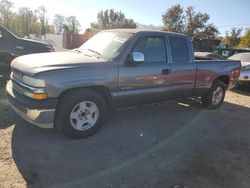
(179, 49)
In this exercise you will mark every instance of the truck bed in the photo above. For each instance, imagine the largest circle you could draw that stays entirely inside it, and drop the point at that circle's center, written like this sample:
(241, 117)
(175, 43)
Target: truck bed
(208, 70)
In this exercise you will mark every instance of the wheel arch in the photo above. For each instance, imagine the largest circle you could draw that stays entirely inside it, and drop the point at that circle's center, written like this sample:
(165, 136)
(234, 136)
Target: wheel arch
(101, 90)
(224, 79)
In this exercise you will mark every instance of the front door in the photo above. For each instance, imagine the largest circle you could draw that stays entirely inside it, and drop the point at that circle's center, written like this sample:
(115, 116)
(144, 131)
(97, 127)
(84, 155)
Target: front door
(148, 81)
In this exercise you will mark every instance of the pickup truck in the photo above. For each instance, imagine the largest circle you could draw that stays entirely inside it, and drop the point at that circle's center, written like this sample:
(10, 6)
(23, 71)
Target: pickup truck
(74, 90)
(12, 46)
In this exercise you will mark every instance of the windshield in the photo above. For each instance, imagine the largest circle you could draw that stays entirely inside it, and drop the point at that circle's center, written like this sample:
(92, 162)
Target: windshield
(105, 44)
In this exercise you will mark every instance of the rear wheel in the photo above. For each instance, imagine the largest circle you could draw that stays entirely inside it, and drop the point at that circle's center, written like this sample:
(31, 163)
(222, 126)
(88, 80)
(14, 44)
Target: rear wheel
(215, 96)
(80, 113)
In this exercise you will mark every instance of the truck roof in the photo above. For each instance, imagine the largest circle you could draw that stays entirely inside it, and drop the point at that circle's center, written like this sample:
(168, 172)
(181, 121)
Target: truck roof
(134, 31)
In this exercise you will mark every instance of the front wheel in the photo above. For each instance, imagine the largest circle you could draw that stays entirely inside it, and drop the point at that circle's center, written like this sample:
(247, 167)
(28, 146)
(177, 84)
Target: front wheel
(80, 113)
(215, 96)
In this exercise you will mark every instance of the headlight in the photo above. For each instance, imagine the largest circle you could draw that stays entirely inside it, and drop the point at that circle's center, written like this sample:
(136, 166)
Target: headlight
(36, 96)
(33, 82)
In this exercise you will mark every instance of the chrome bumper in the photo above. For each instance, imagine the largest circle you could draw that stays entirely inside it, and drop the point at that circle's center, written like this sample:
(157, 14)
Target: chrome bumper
(43, 118)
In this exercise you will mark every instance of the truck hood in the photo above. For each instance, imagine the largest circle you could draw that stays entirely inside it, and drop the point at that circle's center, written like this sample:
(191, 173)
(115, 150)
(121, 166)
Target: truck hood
(36, 63)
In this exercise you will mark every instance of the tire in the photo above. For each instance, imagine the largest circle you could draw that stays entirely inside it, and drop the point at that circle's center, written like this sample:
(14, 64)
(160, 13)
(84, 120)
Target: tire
(215, 96)
(80, 113)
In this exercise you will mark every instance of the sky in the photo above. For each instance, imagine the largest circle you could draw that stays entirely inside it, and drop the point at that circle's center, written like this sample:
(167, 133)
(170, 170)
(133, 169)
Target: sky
(224, 14)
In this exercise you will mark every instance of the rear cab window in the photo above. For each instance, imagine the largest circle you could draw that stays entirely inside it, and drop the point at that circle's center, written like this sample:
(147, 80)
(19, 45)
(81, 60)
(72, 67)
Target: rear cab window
(180, 49)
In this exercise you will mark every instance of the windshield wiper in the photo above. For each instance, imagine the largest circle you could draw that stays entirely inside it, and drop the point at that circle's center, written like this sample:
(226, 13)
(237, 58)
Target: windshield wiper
(98, 53)
(77, 50)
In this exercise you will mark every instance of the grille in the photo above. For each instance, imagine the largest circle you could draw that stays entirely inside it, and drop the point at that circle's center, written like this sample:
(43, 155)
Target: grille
(17, 76)
(17, 88)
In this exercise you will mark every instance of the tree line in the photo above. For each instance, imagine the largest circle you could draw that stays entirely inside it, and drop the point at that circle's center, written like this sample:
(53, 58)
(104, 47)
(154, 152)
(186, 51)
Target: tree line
(234, 38)
(26, 21)
(176, 19)
(190, 22)
(196, 24)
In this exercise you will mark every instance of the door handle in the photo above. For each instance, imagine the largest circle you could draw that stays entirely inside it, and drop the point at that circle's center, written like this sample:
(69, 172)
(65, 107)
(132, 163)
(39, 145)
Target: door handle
(165, 71)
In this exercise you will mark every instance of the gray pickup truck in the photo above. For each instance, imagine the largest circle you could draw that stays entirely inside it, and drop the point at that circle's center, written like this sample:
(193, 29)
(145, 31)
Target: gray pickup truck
(73, 90)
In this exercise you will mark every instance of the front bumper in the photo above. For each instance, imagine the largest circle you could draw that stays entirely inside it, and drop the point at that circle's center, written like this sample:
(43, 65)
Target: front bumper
(40, 113)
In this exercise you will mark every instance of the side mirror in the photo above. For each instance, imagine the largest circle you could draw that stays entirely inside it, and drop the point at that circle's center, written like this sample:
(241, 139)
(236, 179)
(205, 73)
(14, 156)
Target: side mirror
(137, 57)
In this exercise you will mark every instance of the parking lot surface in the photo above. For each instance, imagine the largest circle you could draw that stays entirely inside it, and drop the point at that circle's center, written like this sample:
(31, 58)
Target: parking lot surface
(175, 144)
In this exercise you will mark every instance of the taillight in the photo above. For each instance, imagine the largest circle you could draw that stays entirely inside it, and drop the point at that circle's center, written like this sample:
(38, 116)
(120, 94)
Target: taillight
(235, 73)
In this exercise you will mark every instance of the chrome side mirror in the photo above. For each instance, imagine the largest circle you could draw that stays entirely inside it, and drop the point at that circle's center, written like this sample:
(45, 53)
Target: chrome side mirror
(137, 57)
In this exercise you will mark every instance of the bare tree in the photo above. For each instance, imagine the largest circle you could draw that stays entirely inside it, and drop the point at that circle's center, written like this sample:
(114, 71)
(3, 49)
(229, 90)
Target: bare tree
(58, 22)
(232, 39)
(128, 23)
(208, 32)
(195, 21)
(173, 19)
(25, 21)
(72, 25)
(5, 12)
(192, 23)
(245, 40)
(43, 19)
(110, 19)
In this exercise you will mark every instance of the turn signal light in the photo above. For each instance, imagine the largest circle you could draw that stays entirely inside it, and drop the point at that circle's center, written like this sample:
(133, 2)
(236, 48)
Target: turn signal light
(39, 96)
(235, 73)
(36, 96)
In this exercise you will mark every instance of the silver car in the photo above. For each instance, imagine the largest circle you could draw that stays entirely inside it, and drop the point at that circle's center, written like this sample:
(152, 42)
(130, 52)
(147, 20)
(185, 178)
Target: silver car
(245, 74)
(245, 66)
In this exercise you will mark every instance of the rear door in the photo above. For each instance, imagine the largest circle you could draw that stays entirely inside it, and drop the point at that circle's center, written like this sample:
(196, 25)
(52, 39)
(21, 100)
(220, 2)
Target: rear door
(183, 66)
(146, 82)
